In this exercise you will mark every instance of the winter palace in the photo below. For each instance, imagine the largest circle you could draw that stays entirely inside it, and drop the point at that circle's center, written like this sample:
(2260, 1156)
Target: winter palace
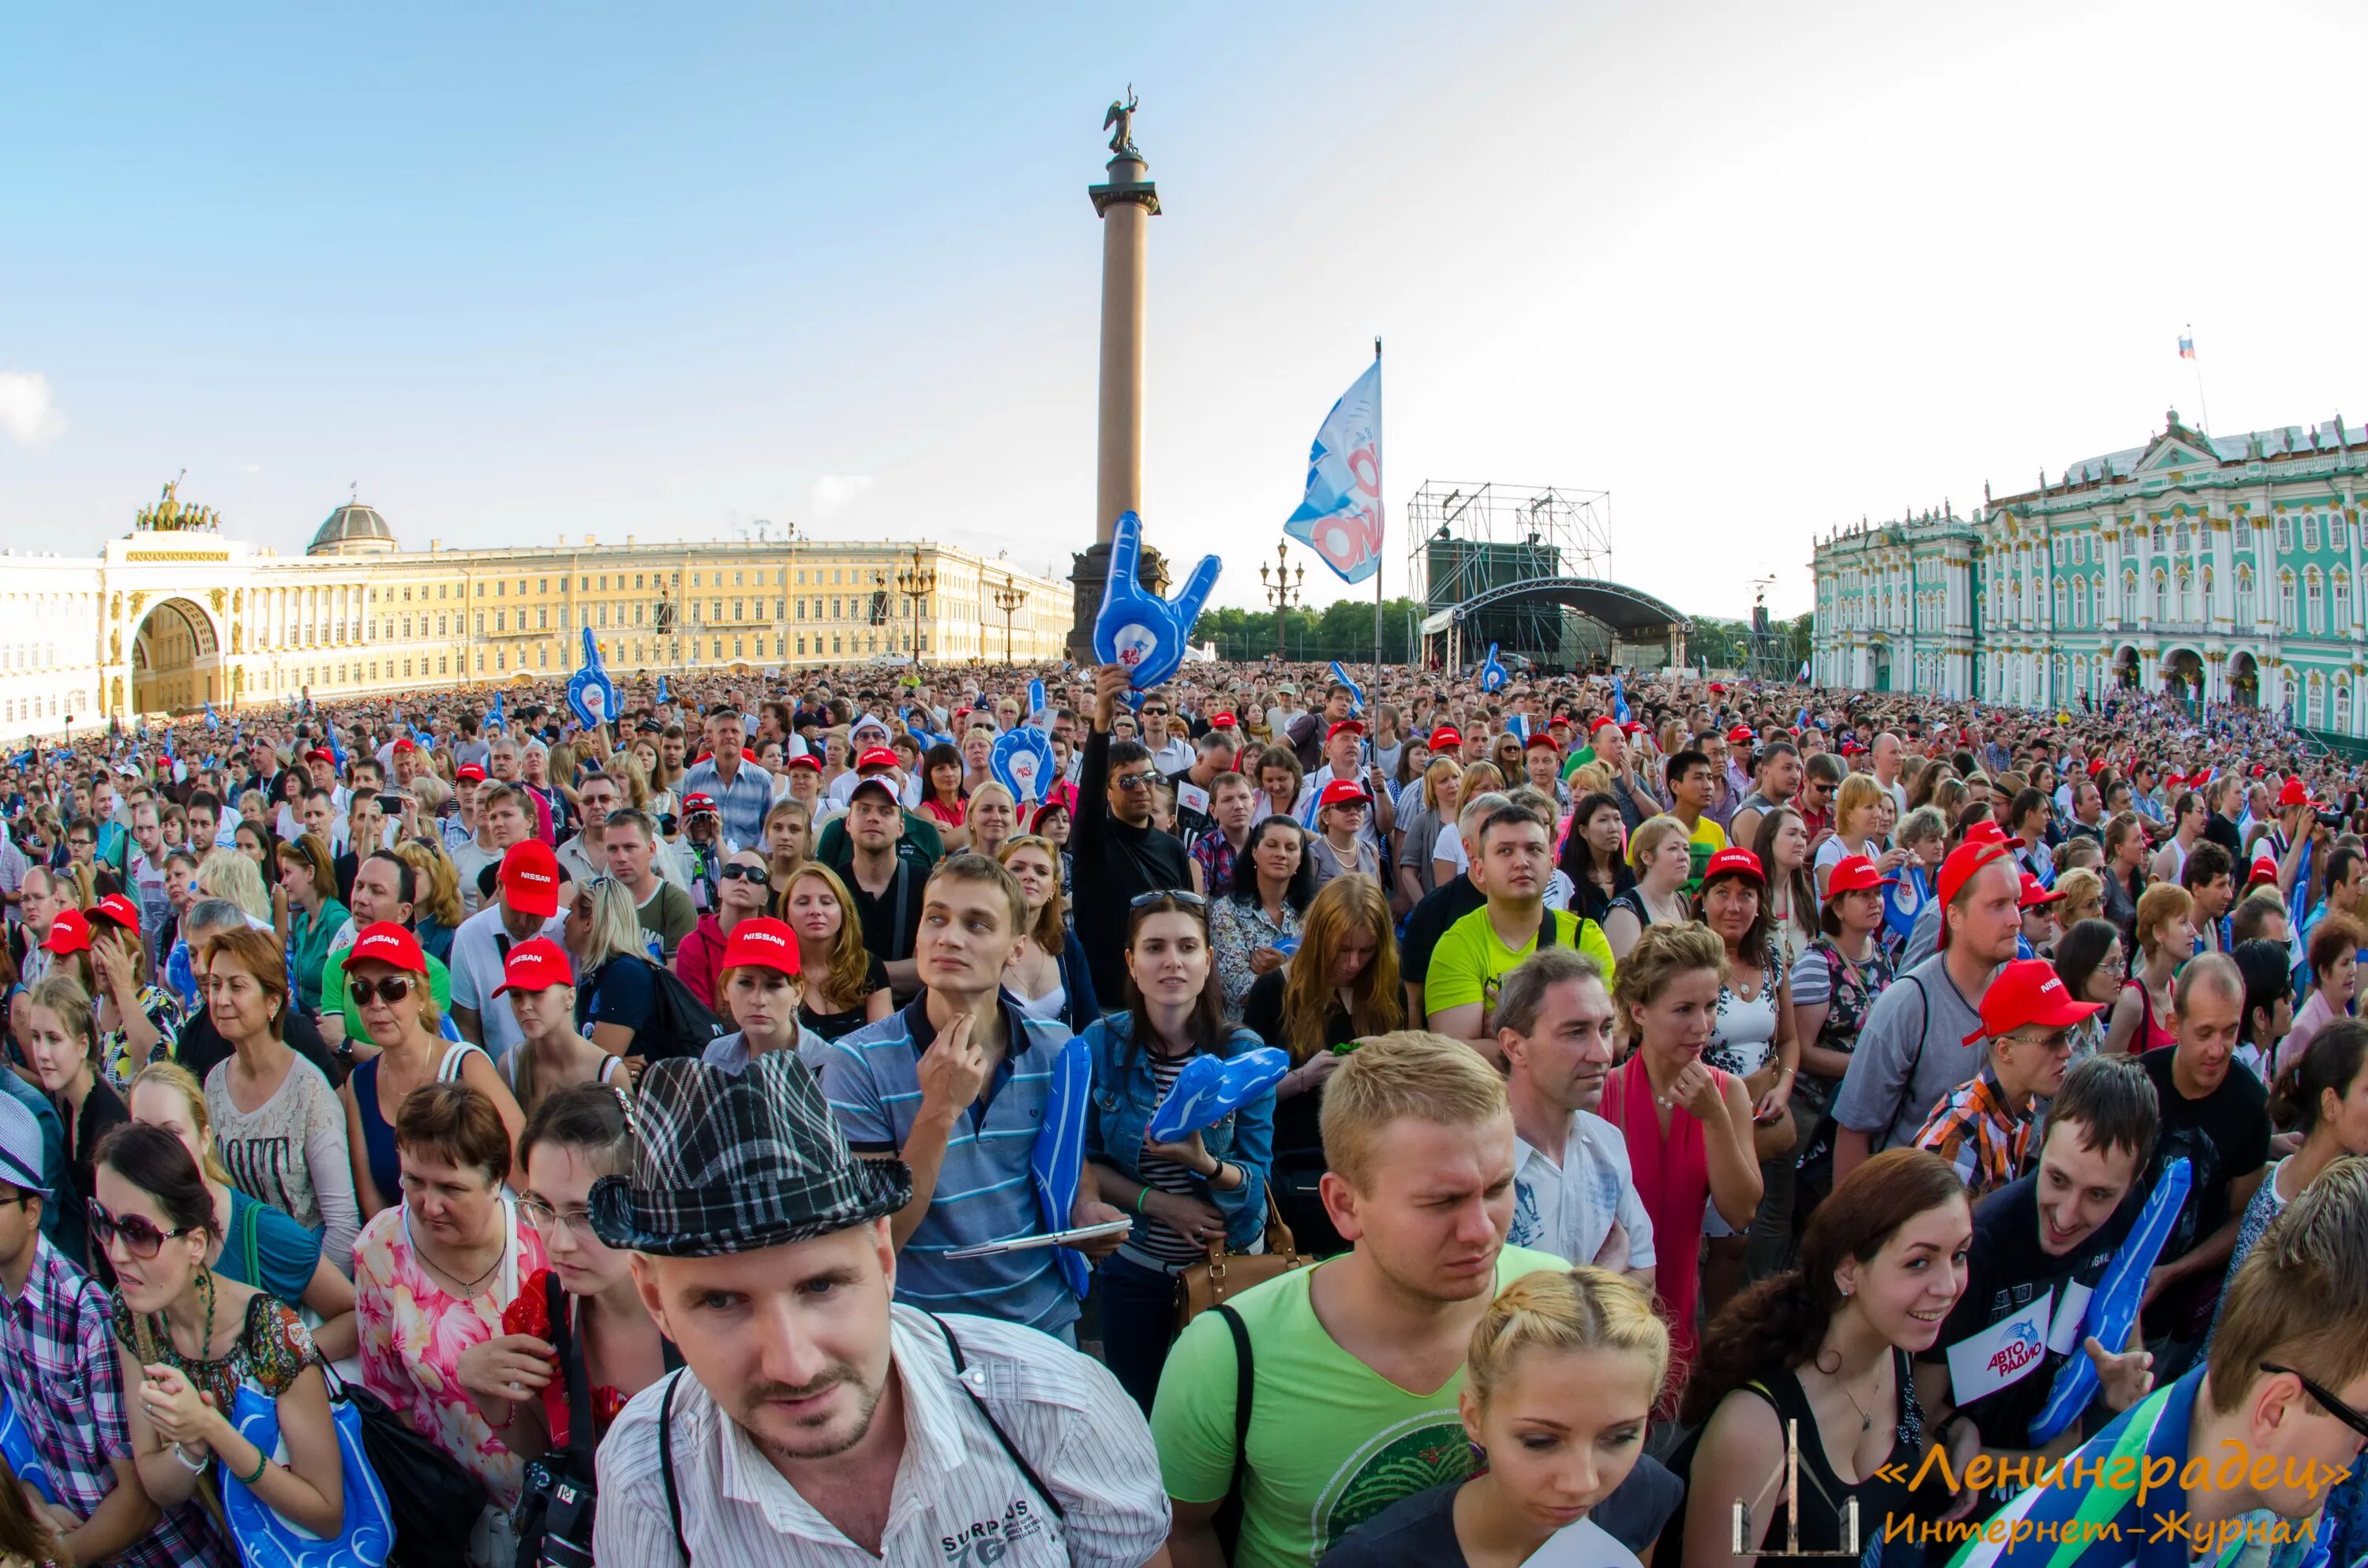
(2215, 568)
(176, 614)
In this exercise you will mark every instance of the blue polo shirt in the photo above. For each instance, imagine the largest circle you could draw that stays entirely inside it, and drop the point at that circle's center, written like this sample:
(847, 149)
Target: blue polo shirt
(983, 1192)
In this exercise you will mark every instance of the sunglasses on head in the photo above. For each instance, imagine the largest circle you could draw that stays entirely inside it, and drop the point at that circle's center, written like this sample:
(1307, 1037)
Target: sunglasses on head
(1184, 896)
(141, 1237)
(390, 990)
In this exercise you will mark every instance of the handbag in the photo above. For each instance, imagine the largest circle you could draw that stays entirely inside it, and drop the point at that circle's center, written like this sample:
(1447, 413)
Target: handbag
(1200, 1286)
(434, 1502)
(267, 1541)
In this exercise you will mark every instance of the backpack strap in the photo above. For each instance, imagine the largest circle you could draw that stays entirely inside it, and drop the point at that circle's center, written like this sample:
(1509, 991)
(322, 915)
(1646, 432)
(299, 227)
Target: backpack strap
(1244, 1390)
(567, 1331)
(666, 1466)
(1010, 1451)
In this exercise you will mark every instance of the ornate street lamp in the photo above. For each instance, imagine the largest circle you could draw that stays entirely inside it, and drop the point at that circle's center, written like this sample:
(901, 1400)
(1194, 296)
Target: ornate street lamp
(1282, 591)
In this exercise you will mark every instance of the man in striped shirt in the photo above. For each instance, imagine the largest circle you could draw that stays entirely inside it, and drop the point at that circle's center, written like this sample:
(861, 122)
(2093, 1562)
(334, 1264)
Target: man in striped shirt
(1983, 1126)
(956, 1084)
(2227, 1464)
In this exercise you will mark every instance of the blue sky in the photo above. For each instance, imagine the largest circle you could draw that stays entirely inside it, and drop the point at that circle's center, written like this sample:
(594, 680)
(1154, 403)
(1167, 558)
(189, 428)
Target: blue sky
(1755, 269)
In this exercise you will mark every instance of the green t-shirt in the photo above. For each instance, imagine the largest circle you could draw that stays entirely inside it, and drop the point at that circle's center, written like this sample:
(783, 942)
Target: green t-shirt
(1332, 1442)
(333, 998)
(1471, 958)
(1578, 759)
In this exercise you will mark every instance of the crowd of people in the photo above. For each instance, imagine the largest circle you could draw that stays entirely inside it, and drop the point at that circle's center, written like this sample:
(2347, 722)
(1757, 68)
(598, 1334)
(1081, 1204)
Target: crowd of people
(1603, 1119)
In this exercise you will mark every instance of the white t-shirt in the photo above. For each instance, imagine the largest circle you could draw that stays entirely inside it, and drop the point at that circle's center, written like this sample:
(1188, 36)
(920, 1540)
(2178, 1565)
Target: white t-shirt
(1449, 846)
(476, 968)
(1582, 1545)
(1568, 1208)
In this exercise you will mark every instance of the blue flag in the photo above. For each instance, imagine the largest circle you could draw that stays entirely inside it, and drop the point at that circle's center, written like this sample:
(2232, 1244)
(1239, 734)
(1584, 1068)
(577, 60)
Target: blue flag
(212, 722)
(1518, 726)
(1618, 700)
(495, 717)
(337, 751)
(1356, 692)
(661, 691)
(1340, 519)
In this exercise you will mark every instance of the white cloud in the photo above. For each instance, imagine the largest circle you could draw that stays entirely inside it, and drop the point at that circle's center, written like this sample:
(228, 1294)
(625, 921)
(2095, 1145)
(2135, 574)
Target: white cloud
(27, 413)
(833, 492)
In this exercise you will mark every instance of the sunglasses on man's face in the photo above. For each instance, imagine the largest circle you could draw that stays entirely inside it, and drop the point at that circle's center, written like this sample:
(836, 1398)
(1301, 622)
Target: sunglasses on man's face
(141, 1237)
(2326, 1399)
(1132, 780)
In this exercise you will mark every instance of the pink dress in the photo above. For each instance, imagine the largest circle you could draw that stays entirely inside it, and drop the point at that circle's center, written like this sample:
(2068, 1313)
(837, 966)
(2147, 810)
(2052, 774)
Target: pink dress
(412, 1332)
(1672, 1172)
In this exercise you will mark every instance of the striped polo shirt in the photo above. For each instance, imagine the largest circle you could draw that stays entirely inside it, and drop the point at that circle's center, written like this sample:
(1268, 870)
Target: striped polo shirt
(984, 1191)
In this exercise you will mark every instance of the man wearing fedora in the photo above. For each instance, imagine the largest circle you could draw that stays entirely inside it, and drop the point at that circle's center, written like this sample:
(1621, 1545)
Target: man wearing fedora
(817, 1423)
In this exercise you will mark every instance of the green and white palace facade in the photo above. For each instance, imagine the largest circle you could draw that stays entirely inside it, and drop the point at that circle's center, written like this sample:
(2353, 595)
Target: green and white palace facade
(2216, 568)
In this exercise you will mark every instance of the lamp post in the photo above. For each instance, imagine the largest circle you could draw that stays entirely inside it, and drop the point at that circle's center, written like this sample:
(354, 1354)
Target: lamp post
(1282, 591)
(916, 582)
(1009, 598)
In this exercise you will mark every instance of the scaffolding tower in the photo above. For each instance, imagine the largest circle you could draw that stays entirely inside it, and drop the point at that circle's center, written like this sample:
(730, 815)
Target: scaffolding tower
(1465, 539)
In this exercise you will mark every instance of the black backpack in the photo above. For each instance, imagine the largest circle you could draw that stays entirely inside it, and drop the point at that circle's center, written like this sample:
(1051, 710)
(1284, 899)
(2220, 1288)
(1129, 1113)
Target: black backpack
(553, 1519)
(681, 1024)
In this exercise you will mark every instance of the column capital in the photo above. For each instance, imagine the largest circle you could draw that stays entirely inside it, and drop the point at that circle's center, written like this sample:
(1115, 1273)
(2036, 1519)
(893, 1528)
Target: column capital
(1126, 184)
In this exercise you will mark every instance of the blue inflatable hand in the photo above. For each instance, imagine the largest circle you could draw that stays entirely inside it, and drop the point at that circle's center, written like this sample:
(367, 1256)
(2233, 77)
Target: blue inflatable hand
(1056, 1161)
(17, 1447)
(1492, 674)
(1036, 701)
(1211, 1088)
(1138, 631)
(2113, 1307)
(1022, 760)
(590, 692)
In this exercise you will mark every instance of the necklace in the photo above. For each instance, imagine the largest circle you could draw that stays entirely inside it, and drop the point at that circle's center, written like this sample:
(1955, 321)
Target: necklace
(164, 1330)
(474, 1286)
(1865, 1421)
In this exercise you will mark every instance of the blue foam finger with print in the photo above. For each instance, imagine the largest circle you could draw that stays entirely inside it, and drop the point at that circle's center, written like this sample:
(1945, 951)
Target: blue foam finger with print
(1138, 631)
(1022, 761)
(1210, 1088)
(1492, 674)
(590, 692)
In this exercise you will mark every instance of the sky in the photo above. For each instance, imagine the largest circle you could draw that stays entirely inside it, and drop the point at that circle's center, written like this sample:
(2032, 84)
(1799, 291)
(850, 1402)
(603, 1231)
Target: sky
(1755, 269)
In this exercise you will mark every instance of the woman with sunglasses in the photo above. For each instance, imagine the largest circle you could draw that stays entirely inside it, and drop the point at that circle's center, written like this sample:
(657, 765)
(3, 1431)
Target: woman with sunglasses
(743, 890)
(433, 1274)
(1272, 882)
(282, 1132)
(539, 987)
(616, 980)
(1048, 974)
(255, 1244)
(61, 1046)
(386, 975)
(846, 983)
(574, 1137)
(192, 1340)
(1204, 1192)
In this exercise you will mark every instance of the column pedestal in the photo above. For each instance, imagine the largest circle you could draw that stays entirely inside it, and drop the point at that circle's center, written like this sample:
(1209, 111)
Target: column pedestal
(1088, 577)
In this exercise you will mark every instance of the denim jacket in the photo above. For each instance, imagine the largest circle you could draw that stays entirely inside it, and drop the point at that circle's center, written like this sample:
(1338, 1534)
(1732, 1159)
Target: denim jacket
(1124, 1097)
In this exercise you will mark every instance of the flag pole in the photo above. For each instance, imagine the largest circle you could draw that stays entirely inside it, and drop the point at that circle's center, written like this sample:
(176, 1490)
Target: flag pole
(1379, 516)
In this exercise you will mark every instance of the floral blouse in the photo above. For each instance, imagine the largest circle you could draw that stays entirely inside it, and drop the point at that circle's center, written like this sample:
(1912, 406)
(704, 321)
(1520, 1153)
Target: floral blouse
(271, 1350)
(412, 1332)
(1236, 931)
(1850, 992)
(164, 1010)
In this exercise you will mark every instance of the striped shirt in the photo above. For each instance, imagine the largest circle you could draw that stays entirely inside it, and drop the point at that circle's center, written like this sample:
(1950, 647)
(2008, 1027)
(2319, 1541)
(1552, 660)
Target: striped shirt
(956, 1490)
(1974, 1131)
(1158, 1245)
(984, 1192)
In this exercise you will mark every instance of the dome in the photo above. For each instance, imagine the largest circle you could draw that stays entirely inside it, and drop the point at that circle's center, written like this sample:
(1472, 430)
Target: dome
(353, 529)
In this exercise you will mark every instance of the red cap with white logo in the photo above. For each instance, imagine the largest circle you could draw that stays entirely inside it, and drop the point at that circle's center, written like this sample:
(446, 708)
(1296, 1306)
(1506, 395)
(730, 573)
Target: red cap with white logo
(387, 943)
(529, 878)
(117, 909)
(764, 943)
(536, 966)
(2028, 991)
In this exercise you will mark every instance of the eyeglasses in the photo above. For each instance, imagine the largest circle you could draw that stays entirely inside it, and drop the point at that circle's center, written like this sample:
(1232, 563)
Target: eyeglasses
(1184, 896)
(140, 1235)
(547, 1220)
(390, 990)
(1132, 780)
(743, 873)
(2328, 1400)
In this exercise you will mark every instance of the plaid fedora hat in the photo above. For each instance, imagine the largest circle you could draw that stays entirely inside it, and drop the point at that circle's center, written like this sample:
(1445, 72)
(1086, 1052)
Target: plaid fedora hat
(729, 1164)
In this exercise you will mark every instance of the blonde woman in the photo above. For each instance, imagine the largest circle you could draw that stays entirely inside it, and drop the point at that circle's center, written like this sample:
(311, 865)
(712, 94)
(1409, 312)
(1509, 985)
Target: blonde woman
(1858, 821)
(846, 986)
(616, 981)
(1417, 830)
(1047, 974)
(993, 817)
(1558, 1389)
(788, 843)
(2080, 895)
(1660, 853)
(436, 910)
(227, 874)
(257, 1245)
(2165, 928)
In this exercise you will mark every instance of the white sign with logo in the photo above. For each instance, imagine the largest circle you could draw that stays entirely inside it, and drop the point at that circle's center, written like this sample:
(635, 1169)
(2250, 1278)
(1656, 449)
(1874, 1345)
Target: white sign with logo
(2004, 1353)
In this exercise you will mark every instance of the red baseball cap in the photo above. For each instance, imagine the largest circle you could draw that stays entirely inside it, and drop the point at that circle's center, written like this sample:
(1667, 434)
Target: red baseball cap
(1223, 722)
(407, 744)
(803, 759)
(536, 966)
(321, 754)
(117, 909)
(2293, 794)
(1444, 736)
(530, 878)
(1963, 862)
(2035, 894)
(2264, 870)
(1855, 873)
(696, 802)
(763, 942)
(1561, 719)
(1036, 823)
(876, 756)
(2028, 991)
(471, 772)
(1991, 833)
(1540, 739)
(1740, 735)
(69, 933)
(1734, 862)
(1354, 726)
(1606, 723)
(384, 941)
(1343, 791)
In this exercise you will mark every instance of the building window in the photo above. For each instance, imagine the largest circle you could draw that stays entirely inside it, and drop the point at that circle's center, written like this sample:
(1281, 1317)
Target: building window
(501, 621)
(2342, 581)
(2310, 531)
(2129, 595)
(2285, 533)
(2315, 597)
(2286, 602)
(2244, 596)
(2080, 601)
(2342, 706)
(2161, 596)
(739, 607)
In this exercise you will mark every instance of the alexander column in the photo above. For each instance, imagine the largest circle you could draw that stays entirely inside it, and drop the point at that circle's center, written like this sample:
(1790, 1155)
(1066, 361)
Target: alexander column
(1126, 206)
